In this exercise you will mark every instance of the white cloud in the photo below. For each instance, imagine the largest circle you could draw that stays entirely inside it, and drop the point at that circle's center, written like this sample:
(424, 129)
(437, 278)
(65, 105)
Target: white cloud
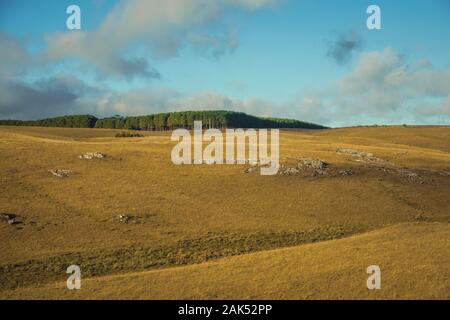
(163, 27)
(381, 85)
(439, 109)
(13, 56)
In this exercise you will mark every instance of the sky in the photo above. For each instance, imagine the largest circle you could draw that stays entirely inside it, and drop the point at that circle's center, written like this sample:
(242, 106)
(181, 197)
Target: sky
(312, 60)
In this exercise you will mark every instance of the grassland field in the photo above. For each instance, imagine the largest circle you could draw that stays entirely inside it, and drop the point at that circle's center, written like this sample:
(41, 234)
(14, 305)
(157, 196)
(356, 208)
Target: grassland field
(215, 232)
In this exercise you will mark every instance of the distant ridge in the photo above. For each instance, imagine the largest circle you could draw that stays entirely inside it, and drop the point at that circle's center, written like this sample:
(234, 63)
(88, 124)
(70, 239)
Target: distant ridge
(168, 121)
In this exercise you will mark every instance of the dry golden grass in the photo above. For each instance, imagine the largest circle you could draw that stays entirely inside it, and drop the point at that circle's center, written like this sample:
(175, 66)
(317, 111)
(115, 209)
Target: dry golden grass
(413, 258)
(192, 214)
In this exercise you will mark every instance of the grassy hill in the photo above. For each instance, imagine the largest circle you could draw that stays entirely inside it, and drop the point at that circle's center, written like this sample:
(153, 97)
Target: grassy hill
(413, 259)
(186, 216)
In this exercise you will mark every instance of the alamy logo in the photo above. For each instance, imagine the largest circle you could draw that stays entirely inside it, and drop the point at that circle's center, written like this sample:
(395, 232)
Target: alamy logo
(73, 22)
(374, 20)
(374, 281)
(74, 280)
(235, 147)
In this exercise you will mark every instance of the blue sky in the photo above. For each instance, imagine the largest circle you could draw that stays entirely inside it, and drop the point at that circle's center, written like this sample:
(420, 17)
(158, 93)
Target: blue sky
(310, 60)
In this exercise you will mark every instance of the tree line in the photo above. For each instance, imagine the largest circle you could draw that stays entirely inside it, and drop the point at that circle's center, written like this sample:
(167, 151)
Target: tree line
(169, 121)
(77, 121)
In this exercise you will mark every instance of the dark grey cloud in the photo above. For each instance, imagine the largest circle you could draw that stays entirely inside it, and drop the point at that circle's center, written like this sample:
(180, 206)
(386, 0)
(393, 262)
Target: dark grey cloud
(96, 52)
(136, 67)
(48, 97)
(343, 47)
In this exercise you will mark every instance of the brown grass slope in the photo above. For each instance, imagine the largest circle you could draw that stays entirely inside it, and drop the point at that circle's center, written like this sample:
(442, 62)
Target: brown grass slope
(414, 260)
(192, 214)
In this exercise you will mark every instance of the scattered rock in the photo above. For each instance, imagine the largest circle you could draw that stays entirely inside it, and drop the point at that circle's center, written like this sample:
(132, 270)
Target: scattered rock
(347, 172)
(361, 156)
(61, 173)
(7, 216)
(92, 155)
(11, 218)
(411, 176)
(317, 166)
(444, 173)
(123, 218)
(316, 173)
(251, 169)
(289, 171)
(308, 163)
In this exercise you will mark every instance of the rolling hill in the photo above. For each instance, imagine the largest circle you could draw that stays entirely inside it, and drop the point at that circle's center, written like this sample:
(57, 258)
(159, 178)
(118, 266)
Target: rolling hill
(413, 259)
(187, 221)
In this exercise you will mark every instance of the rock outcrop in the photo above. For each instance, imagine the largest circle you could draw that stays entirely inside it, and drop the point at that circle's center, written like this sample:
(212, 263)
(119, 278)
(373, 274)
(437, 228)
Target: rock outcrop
(61, 173)
(92, 155)
(123, 218)
(11, 218)
(289, 171)
(346, 172)
(317, 166)
(360, 156)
